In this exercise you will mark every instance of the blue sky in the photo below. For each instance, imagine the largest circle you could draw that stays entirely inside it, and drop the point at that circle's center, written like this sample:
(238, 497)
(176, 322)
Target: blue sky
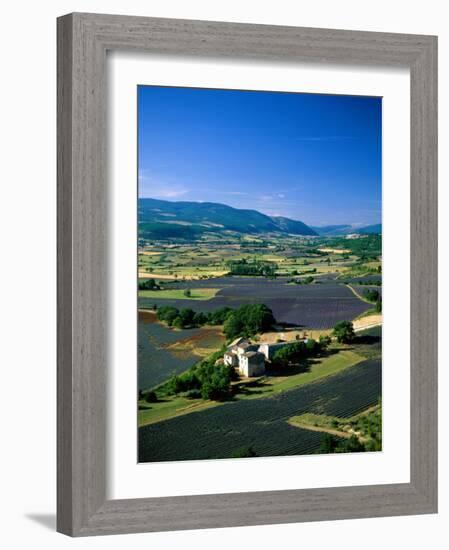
(310, 157)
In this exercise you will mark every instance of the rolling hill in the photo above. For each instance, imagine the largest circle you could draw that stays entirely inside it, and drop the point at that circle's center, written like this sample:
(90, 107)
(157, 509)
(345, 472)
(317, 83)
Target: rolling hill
(332, 229)
(167, 220)
(369, 229)
(347, 229)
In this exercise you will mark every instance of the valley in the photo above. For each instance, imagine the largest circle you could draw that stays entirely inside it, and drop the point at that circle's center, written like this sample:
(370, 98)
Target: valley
(191, 282)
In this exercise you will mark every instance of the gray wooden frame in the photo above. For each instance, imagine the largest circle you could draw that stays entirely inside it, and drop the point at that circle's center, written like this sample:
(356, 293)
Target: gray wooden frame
(83, 40)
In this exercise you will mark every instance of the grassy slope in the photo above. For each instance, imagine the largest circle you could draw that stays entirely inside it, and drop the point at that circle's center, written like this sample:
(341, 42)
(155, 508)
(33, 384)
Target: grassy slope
(320, 368)
(149, 413)
(341, 427)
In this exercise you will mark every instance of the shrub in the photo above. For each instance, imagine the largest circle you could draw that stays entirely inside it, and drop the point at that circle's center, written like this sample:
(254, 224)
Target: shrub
(344, 332)
(215, 380)
(312, 347)
(193, 394)
(244, 452)
(325, 341)
(199, 318)
(219, 316)
(178, 323)
(289, 354)
(372, 295)
(151, 397)
(167, 314)
(148, 284)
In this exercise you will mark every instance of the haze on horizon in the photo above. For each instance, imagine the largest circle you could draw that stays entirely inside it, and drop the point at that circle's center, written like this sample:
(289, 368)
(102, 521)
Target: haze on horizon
(309, 157)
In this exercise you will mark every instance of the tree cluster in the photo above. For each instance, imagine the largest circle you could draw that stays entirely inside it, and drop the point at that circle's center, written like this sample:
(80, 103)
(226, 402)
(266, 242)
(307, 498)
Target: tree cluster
(148, 284)
(187, 318)
(344, 332)
(248, 320)
(252, 268)
(368, 425)
(332, 444)
(292, 354)
(378, 307)
(368, 282)
(371, 295)
(245, 321)
(374, 297)
(208, 380)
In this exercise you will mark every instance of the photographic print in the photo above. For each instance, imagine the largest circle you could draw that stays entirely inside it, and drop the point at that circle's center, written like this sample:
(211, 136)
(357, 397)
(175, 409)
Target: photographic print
(259, 274)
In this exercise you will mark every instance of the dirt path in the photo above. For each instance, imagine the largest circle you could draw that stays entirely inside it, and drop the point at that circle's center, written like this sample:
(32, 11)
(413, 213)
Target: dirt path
(365, 323)
(146, 275)
(305, 426)
(295, 421)
(359, 296)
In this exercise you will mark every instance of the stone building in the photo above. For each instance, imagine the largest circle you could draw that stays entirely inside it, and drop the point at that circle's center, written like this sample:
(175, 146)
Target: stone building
(252, 363)
(250, 359)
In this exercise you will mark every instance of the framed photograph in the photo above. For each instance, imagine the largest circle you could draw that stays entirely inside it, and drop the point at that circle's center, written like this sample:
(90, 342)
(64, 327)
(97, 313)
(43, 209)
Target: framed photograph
(247, 274)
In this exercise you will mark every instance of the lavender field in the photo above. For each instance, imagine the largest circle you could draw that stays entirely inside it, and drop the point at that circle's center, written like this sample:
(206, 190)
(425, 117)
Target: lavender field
(319, 306)
(262, 423)
(163, 352)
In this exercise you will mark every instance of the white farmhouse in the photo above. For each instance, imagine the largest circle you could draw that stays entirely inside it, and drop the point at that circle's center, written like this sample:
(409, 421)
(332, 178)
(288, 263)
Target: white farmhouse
(252, 363)
(230, 358)
(245, 357)
(249, 359)
(270, 349)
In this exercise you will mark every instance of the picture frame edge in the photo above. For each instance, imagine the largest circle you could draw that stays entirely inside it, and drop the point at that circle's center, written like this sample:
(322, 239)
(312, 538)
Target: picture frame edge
(82, 508)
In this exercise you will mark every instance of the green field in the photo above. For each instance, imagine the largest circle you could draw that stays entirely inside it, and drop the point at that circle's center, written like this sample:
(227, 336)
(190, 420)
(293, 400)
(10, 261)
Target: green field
(320, 367)
(179, 294)
(170, 408)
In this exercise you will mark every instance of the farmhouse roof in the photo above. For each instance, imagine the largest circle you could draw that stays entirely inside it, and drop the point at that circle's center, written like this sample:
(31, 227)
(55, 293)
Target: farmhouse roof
(238, 342)
(248, 347)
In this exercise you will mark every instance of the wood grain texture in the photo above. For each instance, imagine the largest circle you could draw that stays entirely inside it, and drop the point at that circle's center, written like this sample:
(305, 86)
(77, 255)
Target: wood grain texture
(83, 40)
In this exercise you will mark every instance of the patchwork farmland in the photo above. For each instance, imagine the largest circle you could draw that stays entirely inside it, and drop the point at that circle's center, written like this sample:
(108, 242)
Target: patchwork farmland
(309, 285)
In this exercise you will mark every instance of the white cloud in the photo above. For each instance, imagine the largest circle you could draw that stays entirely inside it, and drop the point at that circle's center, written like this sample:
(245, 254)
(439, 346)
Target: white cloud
(150, 186)
(238, 193)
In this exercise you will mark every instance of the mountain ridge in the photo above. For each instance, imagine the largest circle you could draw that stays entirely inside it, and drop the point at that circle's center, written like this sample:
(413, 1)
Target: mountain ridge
(186, 219)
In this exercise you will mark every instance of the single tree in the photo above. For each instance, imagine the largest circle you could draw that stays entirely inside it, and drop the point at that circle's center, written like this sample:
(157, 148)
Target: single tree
(344, 332)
